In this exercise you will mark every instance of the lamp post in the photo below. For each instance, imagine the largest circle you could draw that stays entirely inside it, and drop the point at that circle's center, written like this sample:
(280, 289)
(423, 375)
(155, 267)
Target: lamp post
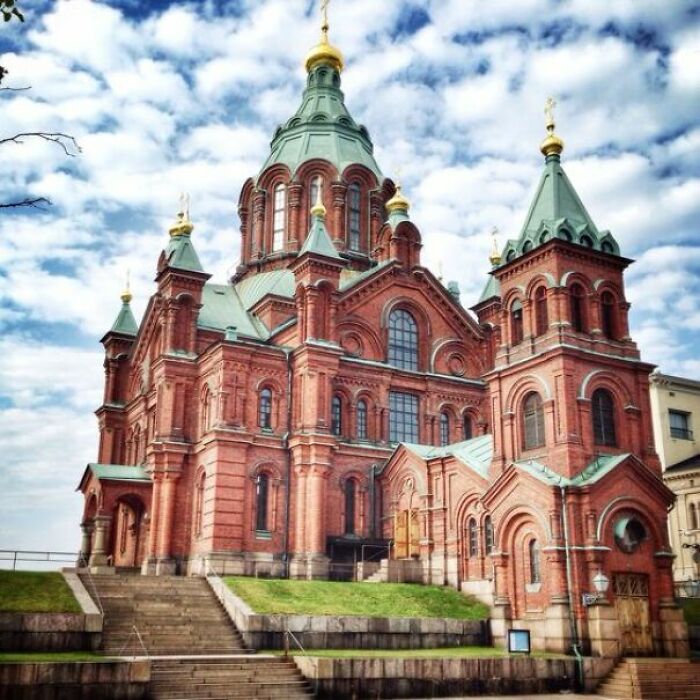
(601, 583)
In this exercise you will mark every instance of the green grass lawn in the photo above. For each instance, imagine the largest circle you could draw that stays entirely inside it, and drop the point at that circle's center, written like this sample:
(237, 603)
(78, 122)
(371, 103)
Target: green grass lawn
(691, 610)
(58, 656)
(445, 652)
(36, 591)
(269, 596)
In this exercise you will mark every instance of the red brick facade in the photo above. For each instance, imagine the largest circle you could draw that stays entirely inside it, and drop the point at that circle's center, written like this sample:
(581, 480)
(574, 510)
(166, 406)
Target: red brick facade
(259, 417)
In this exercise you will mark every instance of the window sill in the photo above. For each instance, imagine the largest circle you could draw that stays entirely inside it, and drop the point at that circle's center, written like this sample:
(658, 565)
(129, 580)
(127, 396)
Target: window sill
(263, 535)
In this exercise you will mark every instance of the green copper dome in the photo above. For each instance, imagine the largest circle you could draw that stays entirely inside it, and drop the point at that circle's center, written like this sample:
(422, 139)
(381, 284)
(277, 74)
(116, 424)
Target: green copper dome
(323, 128)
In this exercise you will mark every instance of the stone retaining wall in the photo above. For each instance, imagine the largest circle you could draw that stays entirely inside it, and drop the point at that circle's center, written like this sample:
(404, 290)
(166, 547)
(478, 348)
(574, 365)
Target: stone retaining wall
(694, 637)
(324, 632)
(105, 680)
(409, 678)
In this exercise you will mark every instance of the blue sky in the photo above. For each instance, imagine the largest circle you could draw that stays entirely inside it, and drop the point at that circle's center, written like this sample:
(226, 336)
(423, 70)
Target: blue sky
(186, 96)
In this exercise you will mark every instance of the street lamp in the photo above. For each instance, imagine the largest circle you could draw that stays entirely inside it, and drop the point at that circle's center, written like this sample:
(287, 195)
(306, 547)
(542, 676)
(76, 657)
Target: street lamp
(601, 583)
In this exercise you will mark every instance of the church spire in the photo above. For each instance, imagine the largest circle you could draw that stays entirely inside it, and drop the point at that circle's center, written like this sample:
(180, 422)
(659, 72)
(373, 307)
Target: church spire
(180, 252)
(552, 146)
(324, 51)
(125, 323)
(318, 242)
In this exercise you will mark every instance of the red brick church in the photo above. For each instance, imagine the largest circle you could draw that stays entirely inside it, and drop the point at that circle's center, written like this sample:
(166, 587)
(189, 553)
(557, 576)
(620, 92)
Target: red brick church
(336, 394)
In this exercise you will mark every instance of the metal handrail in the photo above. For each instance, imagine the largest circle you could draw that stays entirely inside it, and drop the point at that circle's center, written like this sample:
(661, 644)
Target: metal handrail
(289, 634)
(15, 555)
(134, 632)
(83, 564)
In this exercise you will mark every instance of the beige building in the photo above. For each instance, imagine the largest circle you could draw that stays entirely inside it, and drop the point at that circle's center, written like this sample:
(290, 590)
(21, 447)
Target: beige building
(675, 403)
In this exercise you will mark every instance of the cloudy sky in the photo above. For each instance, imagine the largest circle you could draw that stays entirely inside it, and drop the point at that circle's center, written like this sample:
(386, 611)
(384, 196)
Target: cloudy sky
(171, 96)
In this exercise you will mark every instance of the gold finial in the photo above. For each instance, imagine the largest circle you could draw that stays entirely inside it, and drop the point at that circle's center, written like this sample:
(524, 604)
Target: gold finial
(126, 295)
(183, 226)
(318, 209)
(324, 51)
(495, 256)
(552, 145)
(398, 202)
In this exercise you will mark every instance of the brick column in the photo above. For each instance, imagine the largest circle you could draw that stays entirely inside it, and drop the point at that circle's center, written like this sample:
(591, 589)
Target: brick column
(339, 191)
(294, 196)
(98, 556)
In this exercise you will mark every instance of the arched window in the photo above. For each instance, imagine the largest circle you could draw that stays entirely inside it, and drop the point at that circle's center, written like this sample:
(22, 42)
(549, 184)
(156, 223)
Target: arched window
(467, 430)
(533, 421)
(336, 415)
(489, 542)
(315, 188)
(578, 311)
(350, 490)
(473, 538)
(516, 322)
(534, 552)
(361, 419)
(199, 504)
(279, 218)
(692, 517)
(603, 410)
(607, 314)
(265, 409)
(262, 488)
(354, 214)
(403, 340)
(541, 315)
(587, 241)
(444, 429)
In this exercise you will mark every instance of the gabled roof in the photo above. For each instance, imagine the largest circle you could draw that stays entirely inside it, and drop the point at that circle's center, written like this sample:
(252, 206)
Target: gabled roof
(125, 323)
(475, 453)
(318, 241)
(594, 471)
(181, 254)
(115, 472)
(222, 307)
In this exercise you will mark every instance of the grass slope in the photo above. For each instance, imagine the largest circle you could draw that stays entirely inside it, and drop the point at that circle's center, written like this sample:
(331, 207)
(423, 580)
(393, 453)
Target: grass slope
(49, 657)
(269, 596)
(36, 591)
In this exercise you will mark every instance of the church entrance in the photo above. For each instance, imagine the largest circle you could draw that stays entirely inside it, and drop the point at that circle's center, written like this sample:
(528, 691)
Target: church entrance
(632, 603)
(406, 534)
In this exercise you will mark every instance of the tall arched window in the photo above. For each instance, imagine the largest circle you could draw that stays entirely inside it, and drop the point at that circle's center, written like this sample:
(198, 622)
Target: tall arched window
(337, 415)
(444, 429)
(603, 410)
(350, 489)
(361, 419)
(533, 421)
(314, 189)
(473, 538)
(354, 214)
(265, 409)
(534, 552)
(279, 218)
(577, 297)
(541, 315)
(199, 504)
(488, 535)
(516, 322)
(467, 429)
(262, 488)
(692, 517)
(607, 315)
(403, 340)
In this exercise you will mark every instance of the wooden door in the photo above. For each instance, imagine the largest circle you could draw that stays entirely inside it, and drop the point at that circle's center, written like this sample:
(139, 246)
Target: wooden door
(632, 603)
(401, 534)
(414, 533)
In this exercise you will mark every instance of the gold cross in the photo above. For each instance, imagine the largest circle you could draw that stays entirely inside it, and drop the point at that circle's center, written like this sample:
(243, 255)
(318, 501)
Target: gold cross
(324, 13)
(549, 106)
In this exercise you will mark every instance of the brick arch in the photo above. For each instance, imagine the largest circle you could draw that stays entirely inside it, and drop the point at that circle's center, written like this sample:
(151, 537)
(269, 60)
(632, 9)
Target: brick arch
(517, 515)
(355, 475)
(604, 285)
(629, 503)
(445, 348)
(355, 172)
(524, 385)
(268, 383)
(311, 168)
(396, 487)
(275, 174)
(572, 276)
(365, 332)
(265, 466)
(604, 379)
(540, 278)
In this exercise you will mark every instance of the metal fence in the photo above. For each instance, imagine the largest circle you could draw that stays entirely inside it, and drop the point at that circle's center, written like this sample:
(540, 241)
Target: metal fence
(30, 560)
(687, 589)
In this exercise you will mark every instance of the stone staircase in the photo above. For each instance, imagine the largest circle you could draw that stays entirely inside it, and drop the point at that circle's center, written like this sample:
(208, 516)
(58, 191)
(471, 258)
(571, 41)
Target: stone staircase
(666, 679)
(227, 677)
(381, 575)
(173, 615)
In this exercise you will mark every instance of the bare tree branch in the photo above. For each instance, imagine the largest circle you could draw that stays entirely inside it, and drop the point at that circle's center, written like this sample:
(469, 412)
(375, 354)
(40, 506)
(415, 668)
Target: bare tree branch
(63, 140)
(33, 203)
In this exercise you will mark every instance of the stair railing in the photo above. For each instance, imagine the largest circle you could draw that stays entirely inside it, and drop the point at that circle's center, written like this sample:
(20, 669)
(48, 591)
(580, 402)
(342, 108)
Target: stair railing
(83, 564)
(134, 633)
(289, 635)
(209, 570)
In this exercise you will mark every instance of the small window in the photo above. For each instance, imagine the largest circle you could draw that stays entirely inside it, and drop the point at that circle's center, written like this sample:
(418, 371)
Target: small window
(489, 540)
(350, 490)
(354, 217)
(587, 241)
(603, 409)
(516, 322)
(607, 247)
(578, 314)
(279, 218)
(534, 552)
(541, 315)
(265, 409)
(361, 419)
(533, 421)
(473, 538)
(692, 517)
(566, 235)
(337, 416)
(680, 425)
(467, 427)
(527, 246)
(262, 487)
(607, 314)
(403, 340)
(444, 429)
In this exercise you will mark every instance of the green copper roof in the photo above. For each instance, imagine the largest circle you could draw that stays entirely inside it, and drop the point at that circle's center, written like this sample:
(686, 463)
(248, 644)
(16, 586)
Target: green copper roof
(492, 289)
(222, 307)
(318, 241)
(557, 212)
(475, 453)
(125, 323)
(119, 472)
(181, 254)
(323, 128)
(595, 470)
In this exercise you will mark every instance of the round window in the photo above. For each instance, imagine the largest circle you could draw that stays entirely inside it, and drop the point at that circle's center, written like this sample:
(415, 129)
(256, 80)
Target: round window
(629, 534)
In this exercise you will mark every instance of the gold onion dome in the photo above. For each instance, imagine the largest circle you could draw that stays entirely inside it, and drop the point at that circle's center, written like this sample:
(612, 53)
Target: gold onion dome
(324, 52)
(553, 145)
(182, 226)
(495, 255)
(398, 202)
(126, 295)
(318, 209)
